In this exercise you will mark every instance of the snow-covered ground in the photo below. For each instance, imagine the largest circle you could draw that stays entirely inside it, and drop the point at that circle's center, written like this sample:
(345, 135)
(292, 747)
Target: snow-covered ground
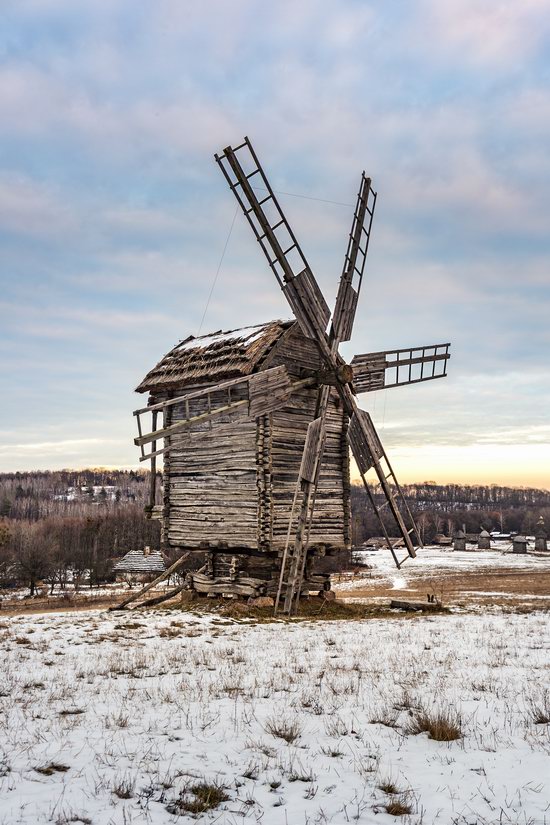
(435, 560)
(109, 718)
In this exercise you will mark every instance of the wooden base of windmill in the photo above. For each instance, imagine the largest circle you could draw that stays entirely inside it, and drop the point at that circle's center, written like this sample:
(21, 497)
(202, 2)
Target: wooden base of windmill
(242, 587)
(253, 576)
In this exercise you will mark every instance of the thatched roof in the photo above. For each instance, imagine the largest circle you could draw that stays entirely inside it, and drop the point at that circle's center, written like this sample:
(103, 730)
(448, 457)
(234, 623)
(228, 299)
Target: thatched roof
(138, 561)
(218, 356)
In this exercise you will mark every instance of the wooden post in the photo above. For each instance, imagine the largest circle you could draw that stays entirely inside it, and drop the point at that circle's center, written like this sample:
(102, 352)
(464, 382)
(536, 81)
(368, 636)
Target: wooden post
(153, 479)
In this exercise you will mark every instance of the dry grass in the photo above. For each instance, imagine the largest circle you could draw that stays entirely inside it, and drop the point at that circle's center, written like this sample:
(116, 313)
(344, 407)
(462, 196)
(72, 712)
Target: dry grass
(398, 807)
(198, 799)
(51, 768)
(287, 729)
(388, 786)
(441, 725)
(515, 589)
(538, 709)
(124, 788)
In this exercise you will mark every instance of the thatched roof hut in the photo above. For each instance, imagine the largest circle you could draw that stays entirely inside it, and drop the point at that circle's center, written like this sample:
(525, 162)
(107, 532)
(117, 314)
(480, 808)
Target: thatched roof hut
(459, 540)
(146, 563)
(520, 544)
(484, 540)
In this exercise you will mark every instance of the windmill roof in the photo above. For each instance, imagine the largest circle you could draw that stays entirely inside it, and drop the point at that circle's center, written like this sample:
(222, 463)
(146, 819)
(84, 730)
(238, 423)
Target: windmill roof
(217, 356)
(136, 561)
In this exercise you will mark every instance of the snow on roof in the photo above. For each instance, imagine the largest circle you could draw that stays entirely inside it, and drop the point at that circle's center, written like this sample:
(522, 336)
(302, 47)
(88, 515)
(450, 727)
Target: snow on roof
(215, 356)
(137, 561)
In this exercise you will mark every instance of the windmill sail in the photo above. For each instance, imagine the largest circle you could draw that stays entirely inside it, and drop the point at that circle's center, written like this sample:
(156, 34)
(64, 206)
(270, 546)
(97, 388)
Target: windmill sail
(369, 453)
(275, 236)
(354, 262)
(393, 368)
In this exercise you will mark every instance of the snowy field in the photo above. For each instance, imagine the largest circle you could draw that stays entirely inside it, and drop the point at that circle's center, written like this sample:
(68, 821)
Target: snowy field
(154, 717)
(450, 574)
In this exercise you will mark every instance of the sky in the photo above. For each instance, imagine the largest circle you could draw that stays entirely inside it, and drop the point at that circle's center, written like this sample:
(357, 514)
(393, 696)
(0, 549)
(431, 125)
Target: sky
(114, 215)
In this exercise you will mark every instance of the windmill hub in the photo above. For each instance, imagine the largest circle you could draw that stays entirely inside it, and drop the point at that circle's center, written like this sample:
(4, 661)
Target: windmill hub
(345, 373)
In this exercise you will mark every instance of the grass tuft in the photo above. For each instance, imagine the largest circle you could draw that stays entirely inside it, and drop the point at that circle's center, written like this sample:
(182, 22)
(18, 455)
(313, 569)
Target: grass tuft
(51, 768)
(124, 788)
(388, 786)
(398, 807)
(198, 799)
(284, 729)
(539, 709)
(442, 726)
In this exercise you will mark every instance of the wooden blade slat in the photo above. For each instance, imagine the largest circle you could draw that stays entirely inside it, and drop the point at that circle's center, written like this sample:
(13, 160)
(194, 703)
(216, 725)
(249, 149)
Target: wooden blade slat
(366, 451)
(308, 304)
(313, 449)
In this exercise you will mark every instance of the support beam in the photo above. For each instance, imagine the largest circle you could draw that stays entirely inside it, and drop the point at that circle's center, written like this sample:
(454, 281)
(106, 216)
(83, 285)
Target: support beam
(172, 569)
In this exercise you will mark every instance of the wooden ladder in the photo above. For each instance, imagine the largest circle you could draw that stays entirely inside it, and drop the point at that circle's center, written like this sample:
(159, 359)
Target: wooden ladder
(293, 562)
(291, 577)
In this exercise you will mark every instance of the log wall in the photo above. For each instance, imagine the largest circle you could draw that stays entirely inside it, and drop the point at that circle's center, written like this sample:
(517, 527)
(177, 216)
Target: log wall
(230, 485)
(331, 522)
(211, 481)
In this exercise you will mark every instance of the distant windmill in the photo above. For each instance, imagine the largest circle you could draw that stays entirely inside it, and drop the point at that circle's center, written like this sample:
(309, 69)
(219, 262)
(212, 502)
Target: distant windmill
(256, 421)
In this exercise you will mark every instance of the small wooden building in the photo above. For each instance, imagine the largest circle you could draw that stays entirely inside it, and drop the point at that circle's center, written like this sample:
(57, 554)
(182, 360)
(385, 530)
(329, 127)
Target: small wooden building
(484, 540)
(459, 540)
(519, 544)
(541, 536)
(140, 565)
(228, 490)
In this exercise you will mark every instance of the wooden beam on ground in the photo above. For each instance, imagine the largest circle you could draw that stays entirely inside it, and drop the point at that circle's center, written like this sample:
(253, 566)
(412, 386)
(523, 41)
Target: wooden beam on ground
(164, 597)
(414, 606)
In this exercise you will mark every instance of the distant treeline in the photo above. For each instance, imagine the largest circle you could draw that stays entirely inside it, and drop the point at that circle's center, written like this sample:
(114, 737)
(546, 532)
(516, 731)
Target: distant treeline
(444, 508)
(56, 526)
(61, 525)
(451, 496)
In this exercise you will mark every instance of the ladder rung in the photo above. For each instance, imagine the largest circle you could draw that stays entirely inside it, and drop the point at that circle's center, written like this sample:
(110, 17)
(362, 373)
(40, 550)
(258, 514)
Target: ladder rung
(275, 226)
(289, 248)
(263, 200)
(240, 146)
(251, 175)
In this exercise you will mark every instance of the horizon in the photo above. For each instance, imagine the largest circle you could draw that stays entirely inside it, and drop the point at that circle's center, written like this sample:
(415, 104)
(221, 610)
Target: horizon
(119, 236)
(355, 479)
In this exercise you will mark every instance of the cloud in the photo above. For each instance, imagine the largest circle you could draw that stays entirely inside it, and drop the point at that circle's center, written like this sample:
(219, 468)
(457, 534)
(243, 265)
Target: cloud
(114, 216)
(28, 207)
(487, 33)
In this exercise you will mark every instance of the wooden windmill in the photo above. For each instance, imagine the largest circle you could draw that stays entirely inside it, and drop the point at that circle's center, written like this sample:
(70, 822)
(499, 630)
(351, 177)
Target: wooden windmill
(256, 465)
